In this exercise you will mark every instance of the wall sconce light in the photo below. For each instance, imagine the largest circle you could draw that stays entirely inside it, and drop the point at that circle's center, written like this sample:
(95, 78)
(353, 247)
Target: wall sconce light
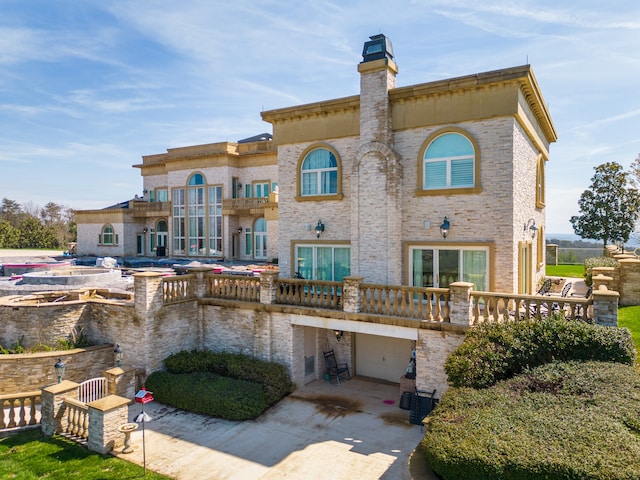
(339, 334)
(59, 368)
(319, 228)
(239, 185)
(145, 230)
(445, 227)
(531, 227)
(118, 354)
(239, 229)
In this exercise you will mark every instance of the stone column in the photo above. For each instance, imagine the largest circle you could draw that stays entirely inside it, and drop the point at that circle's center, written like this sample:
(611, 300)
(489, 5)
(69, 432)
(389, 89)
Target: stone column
(461, 309)
(121, 382)
(268, 280)
(605, 307)
(601, 280)
(52, 406)
(105, 416)
(200, 281)
(351, 298)
(148, 293)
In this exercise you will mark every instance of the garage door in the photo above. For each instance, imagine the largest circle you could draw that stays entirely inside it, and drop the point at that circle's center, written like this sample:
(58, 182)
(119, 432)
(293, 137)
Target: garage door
(385, 358)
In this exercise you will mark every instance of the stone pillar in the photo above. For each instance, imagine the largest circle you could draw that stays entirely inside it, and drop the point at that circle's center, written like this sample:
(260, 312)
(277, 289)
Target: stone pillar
(105, 416)
(52, 406)
(629, 283)
(200, 281)
(268, 280)
(461, 310)
(148, 293)
(351, 298)
(121, 382)
(601, 280)
(605, 307)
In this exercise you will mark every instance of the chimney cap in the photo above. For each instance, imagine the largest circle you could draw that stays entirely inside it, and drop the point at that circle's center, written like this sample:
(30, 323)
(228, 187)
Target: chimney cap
(376, 48)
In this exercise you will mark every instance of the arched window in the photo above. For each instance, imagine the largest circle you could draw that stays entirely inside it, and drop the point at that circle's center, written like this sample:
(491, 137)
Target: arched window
(107, 236)
(449, 162)
(196, 179)
(319, 173)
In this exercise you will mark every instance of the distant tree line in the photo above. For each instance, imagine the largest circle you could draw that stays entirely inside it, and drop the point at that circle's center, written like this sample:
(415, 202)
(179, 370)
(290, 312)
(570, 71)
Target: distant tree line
(30, 226)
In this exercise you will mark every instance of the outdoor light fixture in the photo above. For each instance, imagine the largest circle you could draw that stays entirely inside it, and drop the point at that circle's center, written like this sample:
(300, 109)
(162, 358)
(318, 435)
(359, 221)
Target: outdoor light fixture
(319, 228)
(118, 355)
(145, 230)
(339, 334)
(531, 227)
(445, 227)
(59, 368)
(239, 229)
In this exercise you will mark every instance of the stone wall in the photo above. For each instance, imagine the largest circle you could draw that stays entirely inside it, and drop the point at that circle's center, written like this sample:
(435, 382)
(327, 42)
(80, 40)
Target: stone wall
(28, 372)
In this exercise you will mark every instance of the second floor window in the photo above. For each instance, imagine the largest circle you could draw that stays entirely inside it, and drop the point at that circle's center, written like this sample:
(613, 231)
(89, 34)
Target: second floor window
(449, 162)
(319, 173)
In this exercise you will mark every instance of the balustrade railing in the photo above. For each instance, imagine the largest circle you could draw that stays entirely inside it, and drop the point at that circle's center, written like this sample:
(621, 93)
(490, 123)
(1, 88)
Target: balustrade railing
(234, 287)
(422, 303)
(497, 307)
(76, 417)
(309, 293)
(20, 410)
(177, 289)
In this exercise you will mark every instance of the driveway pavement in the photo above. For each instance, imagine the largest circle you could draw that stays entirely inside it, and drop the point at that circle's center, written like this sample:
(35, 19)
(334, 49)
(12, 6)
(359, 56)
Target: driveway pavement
(355, 430)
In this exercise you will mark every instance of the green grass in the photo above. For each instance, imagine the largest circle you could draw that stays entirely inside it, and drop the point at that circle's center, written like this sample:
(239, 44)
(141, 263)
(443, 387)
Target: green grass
(30, 455)
(571, 270)
(629, 317)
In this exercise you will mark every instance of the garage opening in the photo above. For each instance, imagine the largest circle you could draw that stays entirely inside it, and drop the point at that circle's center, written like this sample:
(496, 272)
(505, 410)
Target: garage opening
(384, 358)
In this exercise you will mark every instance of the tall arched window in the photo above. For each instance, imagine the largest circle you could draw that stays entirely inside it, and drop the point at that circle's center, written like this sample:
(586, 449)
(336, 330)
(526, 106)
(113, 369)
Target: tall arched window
(319, 173)
(449, 162)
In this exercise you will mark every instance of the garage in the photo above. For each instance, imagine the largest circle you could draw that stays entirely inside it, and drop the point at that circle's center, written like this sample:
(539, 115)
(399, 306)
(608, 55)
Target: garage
(385, 358)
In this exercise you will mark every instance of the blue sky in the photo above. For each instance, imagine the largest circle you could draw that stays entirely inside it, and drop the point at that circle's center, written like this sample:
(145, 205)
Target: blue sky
(88, 87)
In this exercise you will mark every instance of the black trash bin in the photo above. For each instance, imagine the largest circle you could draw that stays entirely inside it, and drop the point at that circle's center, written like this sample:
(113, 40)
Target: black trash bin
(421, 406)
(405, 400)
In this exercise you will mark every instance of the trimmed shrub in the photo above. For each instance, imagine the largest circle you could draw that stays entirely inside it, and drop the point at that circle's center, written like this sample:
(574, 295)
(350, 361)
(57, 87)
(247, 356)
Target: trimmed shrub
(207, 393)
(272, 376)
(497, 351)
(560, 421)
(590, 263)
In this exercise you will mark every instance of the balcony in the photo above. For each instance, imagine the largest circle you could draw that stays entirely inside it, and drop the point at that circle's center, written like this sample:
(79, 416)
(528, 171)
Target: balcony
(248, 206)
(151, 209)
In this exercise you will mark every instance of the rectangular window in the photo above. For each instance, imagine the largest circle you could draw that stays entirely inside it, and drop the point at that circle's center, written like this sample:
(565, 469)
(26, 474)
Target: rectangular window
(162, 195)
(248, 243)
(179, 239)
(215, 220)
(196, 221)
(309, 183)
(435, 174)
(462, 173)
(322, 262)
(440, 267)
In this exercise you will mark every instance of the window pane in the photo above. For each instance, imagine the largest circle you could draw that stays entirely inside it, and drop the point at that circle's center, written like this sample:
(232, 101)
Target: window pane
(450, 145)
(309, 183)
(342, 263)
(474, 267)
(324, 270)
(449, 265)
(435, 175)
(304, 262)
(462, 173)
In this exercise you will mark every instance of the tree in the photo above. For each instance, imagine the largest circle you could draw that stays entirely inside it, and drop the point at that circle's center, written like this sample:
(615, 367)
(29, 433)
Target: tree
(610, 208)
(11, 211)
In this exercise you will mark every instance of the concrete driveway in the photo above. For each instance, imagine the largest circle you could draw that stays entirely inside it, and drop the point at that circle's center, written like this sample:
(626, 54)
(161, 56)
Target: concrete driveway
(355, 430)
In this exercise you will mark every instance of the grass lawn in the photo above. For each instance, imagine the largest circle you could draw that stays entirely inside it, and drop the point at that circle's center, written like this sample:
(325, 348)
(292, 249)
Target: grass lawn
(630, 317)
(571, 270)
(30, 455)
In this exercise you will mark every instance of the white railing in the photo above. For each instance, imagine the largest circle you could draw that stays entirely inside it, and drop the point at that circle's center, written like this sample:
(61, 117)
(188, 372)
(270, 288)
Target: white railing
(92, 389)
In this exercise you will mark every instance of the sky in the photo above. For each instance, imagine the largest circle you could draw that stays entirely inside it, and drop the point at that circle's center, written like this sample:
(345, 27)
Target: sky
(88, 87)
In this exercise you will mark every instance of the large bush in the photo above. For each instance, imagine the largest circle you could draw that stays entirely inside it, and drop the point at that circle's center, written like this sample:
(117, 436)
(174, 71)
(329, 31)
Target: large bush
(272, 376)
(208, 393)
(496, 351)
(590, 263)
(560, 421)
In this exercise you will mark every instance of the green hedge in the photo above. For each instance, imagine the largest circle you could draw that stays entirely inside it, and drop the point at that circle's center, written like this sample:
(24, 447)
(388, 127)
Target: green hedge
(560, 421)
(496, 351)
(272, 376)
(592, 262)
(208, 393)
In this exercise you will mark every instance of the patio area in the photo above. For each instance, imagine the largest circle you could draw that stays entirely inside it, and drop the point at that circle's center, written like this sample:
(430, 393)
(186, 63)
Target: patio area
(352, 430)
